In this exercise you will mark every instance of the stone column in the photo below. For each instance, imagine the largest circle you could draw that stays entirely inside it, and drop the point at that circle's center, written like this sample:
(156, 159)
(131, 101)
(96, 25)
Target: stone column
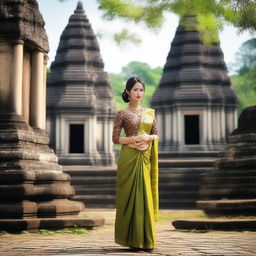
(218, 125)
(57, 134)
(15, 95)
(180, 128)
(26, 85)
(204, 126)
(159, 120)
(37, 96)
(44, 91)
(6, 54)
(168, 128)
(174, 126)
(111, 145)
(105, 137)
(234, 119)
(64, 133)
(209, 125)
(222, 124)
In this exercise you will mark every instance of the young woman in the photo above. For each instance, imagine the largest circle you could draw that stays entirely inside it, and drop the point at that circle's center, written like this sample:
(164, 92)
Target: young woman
(137, 171)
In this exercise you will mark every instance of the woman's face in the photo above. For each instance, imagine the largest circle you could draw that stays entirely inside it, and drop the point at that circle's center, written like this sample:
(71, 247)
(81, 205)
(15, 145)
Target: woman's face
(137, 92)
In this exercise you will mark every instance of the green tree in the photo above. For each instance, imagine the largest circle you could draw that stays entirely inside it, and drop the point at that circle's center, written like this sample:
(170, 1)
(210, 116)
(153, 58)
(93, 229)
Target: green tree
(244, 82)
(211, 13)
(245, 88)
(246, 56)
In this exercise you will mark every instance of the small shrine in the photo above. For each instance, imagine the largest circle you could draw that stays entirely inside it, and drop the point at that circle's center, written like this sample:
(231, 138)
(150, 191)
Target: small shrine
(80, 107)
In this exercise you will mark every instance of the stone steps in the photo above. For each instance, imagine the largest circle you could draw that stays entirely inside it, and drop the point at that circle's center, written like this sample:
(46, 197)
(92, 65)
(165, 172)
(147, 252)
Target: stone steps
(178, 184)
(187, 163)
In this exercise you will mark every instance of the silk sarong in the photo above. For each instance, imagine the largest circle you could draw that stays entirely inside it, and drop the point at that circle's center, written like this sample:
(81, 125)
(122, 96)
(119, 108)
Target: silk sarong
(137, 191)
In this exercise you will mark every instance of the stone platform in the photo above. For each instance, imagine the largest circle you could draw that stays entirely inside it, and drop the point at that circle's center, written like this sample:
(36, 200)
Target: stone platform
(219, 224)
(50, 223)
(101, 242)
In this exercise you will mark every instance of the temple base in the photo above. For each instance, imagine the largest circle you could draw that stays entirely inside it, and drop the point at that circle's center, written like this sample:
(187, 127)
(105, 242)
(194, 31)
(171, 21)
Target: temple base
(35, 193)
(50, 223)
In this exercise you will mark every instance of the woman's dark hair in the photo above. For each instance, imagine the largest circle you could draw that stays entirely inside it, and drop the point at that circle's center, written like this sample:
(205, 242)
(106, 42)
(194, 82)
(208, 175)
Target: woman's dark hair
(129, 85)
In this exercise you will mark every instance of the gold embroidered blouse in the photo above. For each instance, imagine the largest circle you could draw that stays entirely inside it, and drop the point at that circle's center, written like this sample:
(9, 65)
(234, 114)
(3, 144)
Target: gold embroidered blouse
(130, 122)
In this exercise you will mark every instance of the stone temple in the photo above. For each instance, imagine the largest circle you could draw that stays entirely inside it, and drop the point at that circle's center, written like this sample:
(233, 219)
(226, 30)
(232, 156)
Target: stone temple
(196, 111)
(80, 108)
(196, 107)
(34, 191)
(231, 188)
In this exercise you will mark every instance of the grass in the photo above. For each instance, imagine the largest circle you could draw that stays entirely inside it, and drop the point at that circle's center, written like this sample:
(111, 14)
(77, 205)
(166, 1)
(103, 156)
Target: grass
(74, 231)
(181, 214)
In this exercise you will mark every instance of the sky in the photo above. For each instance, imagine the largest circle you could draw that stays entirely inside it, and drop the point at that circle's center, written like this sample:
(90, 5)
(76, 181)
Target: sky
(154, 47)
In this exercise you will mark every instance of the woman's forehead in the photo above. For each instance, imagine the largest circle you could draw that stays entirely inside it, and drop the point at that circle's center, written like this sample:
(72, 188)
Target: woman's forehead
(138, 85)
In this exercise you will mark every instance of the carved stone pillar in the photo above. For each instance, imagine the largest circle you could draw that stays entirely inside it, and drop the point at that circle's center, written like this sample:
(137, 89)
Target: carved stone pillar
(16, 79)
(38, 91)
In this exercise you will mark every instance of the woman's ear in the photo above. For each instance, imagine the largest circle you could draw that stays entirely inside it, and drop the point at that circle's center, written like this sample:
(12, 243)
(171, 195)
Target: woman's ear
(127, 92)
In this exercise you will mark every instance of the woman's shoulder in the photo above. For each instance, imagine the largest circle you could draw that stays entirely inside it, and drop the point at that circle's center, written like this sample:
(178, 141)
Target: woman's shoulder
(149, 109)
(120, 112)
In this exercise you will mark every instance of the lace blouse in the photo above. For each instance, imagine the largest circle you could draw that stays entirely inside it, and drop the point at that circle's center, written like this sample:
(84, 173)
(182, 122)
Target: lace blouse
(130, 122)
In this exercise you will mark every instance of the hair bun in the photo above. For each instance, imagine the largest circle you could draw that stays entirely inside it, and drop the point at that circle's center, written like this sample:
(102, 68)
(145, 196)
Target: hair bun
(125, 96)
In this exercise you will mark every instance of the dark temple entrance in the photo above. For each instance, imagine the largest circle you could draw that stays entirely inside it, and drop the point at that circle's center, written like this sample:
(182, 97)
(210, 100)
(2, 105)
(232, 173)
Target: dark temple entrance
(192, 134)
(76, 138)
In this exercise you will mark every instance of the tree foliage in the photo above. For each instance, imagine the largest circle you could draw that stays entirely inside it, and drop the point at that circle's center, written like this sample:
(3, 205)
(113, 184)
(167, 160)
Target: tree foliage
(212, 14)
(241, 13)
(244, 82)
(246, 56)
(245, 88)
(151, 77)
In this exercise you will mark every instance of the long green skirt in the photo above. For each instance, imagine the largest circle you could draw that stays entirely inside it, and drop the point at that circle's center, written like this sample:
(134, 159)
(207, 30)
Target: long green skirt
(135, 220)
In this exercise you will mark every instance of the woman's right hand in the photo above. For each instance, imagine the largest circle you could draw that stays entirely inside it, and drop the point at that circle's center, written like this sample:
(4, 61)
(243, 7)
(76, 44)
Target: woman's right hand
(142, 146)
(142, 138)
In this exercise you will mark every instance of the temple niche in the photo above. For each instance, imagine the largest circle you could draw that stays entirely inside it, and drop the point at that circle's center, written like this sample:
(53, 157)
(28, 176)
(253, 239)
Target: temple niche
(34, 191)
(80, 107)
(196, 111)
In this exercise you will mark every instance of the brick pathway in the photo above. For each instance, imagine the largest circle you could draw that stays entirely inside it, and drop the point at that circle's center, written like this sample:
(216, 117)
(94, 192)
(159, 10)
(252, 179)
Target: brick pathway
(100, 242)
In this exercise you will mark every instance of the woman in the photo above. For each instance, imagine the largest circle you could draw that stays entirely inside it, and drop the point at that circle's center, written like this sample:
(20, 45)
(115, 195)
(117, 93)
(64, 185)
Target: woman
(137, 171)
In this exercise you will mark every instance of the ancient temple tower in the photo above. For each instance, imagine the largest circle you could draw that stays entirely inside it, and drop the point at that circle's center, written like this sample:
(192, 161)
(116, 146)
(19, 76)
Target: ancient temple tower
(196, 107)
(196, 111)
(34, 191)
(80, 108)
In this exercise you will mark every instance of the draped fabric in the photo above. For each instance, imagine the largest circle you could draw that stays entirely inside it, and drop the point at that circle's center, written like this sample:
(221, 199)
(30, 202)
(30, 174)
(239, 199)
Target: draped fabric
(137, 191)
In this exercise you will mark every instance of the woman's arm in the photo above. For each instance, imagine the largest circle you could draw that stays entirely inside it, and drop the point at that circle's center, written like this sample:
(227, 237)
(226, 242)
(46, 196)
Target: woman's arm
(118, 124)
(154, 131)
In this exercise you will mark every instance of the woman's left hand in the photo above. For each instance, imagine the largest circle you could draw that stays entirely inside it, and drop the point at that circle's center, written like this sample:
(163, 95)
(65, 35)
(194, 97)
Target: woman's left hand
(143, 137)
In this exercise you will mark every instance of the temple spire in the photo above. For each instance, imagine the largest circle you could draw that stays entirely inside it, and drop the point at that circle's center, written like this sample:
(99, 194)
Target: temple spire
(79, 8)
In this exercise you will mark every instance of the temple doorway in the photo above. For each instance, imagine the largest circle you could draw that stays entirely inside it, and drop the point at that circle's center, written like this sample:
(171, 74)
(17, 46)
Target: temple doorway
(76, 138)
(192, 133)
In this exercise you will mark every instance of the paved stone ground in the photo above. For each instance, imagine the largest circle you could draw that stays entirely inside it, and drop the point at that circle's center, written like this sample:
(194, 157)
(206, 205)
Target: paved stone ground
(100, 242)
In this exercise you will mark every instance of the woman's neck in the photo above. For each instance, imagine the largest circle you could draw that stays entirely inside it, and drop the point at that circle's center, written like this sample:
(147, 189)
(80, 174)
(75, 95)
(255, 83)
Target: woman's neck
(134, 105)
